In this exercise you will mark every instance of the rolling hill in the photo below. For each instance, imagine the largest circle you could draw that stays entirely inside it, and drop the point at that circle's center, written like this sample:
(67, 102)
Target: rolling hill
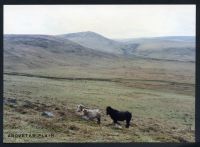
(181, 48)
(38, 51)
(98, 42)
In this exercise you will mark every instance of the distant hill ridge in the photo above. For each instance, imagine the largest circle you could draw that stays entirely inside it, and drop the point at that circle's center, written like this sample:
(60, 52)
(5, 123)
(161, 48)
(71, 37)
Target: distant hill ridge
(33, 51)
(167, 47)
(95, 41)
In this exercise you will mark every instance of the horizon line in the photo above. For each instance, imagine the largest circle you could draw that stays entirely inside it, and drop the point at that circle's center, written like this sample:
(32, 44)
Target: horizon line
(103, 35)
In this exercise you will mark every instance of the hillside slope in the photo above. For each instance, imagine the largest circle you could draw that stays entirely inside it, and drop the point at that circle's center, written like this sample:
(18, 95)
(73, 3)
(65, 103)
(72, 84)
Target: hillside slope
(180, 48)
(87, 48)
(98, 42)
(38, 51)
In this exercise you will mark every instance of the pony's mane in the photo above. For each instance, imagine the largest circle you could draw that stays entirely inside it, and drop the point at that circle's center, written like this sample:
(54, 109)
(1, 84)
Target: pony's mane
(113, 110)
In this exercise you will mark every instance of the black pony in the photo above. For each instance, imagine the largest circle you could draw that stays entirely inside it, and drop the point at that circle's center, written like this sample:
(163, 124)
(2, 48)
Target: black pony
(119, 116)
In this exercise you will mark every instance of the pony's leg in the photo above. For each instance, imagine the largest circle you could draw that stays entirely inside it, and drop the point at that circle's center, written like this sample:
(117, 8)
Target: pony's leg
(85, 117)
(116, 122)
(127, 123)
(99, 120)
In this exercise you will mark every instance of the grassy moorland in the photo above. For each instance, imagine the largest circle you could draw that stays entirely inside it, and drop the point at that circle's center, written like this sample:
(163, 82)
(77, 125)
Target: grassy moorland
(159, 93)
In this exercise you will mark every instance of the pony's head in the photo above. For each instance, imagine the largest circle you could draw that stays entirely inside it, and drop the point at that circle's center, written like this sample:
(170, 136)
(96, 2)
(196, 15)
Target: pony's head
(108, 110)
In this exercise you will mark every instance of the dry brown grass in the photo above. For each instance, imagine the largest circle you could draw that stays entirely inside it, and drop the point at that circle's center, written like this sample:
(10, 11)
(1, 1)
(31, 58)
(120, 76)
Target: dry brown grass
(72, 128)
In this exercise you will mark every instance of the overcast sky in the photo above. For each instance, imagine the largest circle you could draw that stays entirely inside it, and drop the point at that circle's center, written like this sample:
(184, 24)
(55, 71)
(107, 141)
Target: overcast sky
(113, 21)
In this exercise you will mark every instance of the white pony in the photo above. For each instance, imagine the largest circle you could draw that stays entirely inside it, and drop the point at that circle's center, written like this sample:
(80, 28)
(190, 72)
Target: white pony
(89, 114)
